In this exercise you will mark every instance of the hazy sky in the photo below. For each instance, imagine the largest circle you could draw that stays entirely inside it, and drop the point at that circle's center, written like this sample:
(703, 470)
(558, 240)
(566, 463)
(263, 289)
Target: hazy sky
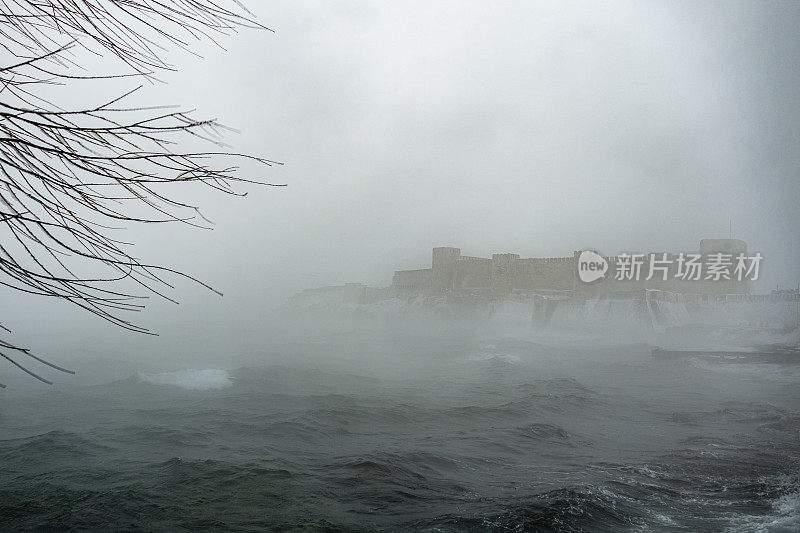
(526, 127)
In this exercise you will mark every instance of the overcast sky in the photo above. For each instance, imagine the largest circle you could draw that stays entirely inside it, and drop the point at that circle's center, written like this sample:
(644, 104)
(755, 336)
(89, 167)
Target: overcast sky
(526, 127)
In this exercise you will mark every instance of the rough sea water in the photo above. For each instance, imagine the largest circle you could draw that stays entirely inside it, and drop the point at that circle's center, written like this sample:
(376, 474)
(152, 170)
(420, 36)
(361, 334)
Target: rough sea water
(373, 431)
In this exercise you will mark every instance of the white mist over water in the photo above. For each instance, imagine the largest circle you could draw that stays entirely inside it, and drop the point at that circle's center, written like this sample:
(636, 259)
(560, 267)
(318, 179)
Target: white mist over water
(208, 379)
(424, 426)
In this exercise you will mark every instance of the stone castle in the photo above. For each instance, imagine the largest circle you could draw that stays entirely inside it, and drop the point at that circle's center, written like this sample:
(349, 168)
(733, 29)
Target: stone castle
(548, 291)
(507, 272)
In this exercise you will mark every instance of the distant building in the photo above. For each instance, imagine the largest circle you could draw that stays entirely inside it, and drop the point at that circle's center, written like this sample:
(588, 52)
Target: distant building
(507, 272)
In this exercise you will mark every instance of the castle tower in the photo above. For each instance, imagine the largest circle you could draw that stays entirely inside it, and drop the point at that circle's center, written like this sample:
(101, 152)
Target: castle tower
(504, 272)
(732, 248)
(444, 267)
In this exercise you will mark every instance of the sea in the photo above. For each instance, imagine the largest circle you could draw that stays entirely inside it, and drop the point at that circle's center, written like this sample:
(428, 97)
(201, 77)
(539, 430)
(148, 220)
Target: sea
(449, 429)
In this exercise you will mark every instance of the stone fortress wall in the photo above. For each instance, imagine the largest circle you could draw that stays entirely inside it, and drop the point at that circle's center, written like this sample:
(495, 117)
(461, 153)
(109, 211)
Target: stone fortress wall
(549, 292)
(501, 274)
(507, 272)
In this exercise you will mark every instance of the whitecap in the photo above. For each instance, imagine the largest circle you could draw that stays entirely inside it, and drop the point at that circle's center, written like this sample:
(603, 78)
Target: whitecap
(494, 357)
(785, 517)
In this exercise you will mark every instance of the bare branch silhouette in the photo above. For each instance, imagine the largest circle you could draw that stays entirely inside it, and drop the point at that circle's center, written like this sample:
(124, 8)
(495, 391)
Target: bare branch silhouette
(69, 177)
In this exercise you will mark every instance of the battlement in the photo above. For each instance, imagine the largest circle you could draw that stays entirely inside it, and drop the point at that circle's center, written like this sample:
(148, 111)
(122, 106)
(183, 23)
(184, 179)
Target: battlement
(569, 259)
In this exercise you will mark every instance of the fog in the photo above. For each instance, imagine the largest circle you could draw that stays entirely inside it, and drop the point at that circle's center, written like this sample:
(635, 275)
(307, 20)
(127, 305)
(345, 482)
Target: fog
(495, 127)
(536, 129)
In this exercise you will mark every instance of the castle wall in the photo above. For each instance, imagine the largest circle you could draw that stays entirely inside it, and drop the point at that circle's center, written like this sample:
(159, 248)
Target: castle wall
(412, 279)
(726, 246)
(504, 272)
(377, 294)
(473, 273)
(548, 273)
(443, 265)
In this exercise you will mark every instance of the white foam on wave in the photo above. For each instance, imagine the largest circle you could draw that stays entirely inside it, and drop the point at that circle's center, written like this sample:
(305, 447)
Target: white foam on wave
(785, 517)
(494, 357)
(192, 379)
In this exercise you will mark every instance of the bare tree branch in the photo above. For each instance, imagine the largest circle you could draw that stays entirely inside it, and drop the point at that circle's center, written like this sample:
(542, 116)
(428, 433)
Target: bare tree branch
(69, 177)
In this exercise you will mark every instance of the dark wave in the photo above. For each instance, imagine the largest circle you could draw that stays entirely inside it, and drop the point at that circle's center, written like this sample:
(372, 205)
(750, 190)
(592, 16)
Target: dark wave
(494, 446)
(557, 510)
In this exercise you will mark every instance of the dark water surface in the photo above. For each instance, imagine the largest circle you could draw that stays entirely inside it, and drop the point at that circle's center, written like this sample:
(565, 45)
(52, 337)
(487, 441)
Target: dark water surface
(493, 434)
